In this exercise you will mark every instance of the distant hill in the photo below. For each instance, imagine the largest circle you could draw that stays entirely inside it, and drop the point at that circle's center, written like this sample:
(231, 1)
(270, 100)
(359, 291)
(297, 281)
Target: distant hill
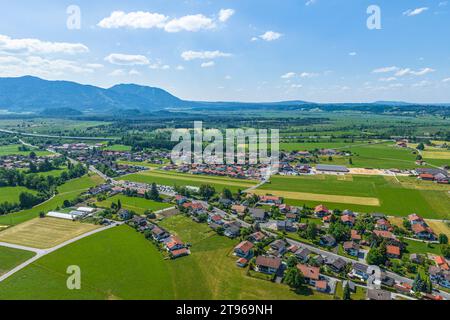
(59, 98)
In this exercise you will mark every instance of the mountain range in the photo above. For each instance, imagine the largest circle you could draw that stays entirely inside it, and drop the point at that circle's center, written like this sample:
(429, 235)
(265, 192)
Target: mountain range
(32, 94)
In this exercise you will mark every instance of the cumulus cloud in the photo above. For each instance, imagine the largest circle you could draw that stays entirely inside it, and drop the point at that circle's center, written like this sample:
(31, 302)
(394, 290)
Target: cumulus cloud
(180, 68)
(36, 46)
(225, 14)
(352, 54)
(150, 20)
(389, 79)
(204, 55)
(208, 64)
(270, 36)
(414, 12)
(190, 23)
(127, 59)
(117, 73)
(134, 20)
(288, 75)
(308, 75)
(446, 80)
(408, 71)
(310, 2)
(134, 72)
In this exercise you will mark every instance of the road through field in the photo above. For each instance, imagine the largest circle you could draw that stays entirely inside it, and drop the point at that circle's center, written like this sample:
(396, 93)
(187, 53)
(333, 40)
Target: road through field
(43, 252)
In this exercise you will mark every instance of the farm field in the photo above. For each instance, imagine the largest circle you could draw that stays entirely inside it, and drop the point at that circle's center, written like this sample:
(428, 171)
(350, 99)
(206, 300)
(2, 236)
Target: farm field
(10, 258)
(394, 199)
(142, 164)
(11, 194)
(118, 147)
(138, 205)
(141, 273)
(68, 191)
(179, 179)
(13, 149)
(44, 233)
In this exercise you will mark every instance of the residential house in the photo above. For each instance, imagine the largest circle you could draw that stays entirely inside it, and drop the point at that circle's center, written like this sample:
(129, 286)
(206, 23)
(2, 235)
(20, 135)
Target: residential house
(242, 262)
(278, 247)
(179, 253)
(441, 263)
(310, 274)
(320, 211)
(416, 258)
(355, 236)
(351, 248)
(159, 234)
(215, 218)
(232, 230)
(124, 214)
(285, 225)
(269, 265)
(393, 251)
(423, 232)
(270, 200)
(303, 255)
(376, 294)
(322, 286)
(327, 241)
(337, 265)
(257, 214)
(244, 249)
(238, 209)
(291, 217)
(383, 224)
(361, 271)
(174, 243)
(256, 237)
(348, 220)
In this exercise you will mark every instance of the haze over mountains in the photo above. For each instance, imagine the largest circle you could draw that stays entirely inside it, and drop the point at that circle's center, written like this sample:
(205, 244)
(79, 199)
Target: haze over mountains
(32, 94)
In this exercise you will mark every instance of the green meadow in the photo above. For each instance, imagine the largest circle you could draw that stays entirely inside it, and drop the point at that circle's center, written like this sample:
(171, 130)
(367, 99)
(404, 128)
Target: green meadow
(68, 191)
(138, 205)
(10, 258)
(13, 149)
(11, 194)
(118, 147)
(395, 198)
(132, 268)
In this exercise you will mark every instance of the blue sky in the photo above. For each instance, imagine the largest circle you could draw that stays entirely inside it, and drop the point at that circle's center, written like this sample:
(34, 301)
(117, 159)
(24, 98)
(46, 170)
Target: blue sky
(242, 50)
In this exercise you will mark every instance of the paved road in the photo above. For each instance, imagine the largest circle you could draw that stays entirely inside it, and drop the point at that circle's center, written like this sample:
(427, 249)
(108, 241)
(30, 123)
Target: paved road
(43, 252)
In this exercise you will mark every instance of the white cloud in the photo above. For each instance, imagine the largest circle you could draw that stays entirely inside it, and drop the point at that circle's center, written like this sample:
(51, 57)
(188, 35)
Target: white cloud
(296, 86)
(190, 23)
(134, 20)
(180, 68)
(385, 69)
(414, 12)
(396, 85)
(288, 75)
(95, 65)
(422, 83)
(443, 3)
(228, 77)
(204, 55)
(159, 65)
(225, 14)
(308, 75)
(270, 36)
(352, 54)
(310, 2)
(208, 64)
(38, 66)
(36, 46)
(408, 71)
(134, 72)
(446, 80)
(127, 59)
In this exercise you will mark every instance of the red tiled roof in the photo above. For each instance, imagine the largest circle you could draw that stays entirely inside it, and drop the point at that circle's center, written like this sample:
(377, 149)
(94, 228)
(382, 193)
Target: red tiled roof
(321, 208)
(322, 284)
(385, 234)
(394, 250)
(245, 246)
(270, 262)
(355, 235)
(180, 252)
(309, 272)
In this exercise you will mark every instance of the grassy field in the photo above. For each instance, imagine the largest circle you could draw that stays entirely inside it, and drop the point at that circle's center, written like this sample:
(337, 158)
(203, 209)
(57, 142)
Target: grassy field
(395, 199)
(11, 194)
(68, 191)
(138, 205)
(44, 233)
(141, 164)
(422, 247)
(179, 179)
(11, 258)
(141, 273)
(13, 149)
(118, 147)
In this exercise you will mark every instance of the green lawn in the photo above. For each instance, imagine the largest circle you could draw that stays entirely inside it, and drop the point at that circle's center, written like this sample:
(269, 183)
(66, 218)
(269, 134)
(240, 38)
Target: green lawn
(118, 147)
(138, 205)
(395, 198)
(11, 194)
(13, 149)
(68, 191)
(120, 264)
(422, 247)
(10, 258)
(179, 179)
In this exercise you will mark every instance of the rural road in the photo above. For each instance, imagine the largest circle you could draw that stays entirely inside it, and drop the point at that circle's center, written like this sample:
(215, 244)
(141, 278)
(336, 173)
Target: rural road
(43, 252)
